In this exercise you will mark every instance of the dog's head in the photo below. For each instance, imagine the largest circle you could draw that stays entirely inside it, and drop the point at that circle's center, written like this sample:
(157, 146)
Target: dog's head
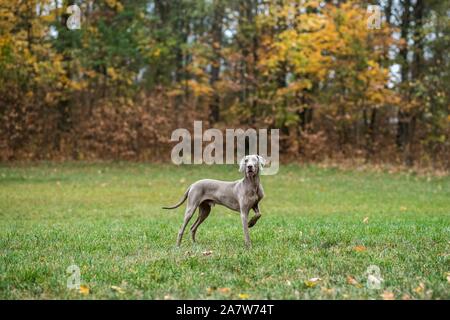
(251, 165)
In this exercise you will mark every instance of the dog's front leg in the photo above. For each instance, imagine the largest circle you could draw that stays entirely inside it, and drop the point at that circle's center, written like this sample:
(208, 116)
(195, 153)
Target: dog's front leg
(244, 218)
(256, 217)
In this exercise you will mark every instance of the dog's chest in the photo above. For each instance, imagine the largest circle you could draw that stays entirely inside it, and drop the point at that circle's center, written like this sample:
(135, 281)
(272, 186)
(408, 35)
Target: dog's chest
(252, 195)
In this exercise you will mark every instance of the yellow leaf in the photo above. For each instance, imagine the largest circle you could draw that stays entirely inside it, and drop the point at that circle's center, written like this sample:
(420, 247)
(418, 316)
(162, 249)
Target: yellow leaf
(420, 288)
(207, 253)
(168, 297)
(402, 208)
(84, 290)
(243, 296)
(157, 52)
(388, 295)
(118, 289)
(112, 73)
(448, 277)
(366, 220)
(311, 283)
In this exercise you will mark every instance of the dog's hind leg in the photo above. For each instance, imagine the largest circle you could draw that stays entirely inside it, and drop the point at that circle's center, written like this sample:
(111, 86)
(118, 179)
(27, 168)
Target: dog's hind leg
(203, 213)
(190, 210)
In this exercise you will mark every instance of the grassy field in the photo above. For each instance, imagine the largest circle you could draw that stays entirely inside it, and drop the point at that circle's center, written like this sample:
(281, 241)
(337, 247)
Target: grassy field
(317, 223)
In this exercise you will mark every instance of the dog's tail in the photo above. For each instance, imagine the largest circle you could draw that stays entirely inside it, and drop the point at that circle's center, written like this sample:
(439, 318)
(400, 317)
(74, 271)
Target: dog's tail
(181, 201)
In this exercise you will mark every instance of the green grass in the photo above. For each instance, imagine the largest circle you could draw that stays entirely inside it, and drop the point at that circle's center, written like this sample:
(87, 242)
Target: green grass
(107, 219)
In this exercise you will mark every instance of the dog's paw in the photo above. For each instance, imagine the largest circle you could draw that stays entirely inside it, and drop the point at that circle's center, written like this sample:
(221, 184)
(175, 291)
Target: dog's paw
(253, 221)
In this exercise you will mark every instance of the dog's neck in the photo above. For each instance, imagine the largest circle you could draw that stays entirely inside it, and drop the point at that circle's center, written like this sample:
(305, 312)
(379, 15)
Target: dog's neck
(252, 180)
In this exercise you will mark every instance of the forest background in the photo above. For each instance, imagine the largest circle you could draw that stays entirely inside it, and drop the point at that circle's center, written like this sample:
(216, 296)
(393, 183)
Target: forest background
(116, 88)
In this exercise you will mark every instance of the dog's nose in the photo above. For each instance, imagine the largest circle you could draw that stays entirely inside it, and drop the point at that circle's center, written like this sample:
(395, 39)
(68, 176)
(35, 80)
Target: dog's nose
(250, 166)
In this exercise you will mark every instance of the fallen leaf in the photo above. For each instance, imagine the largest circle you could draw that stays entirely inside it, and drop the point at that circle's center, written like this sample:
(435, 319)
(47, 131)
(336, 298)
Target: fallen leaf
(353, 282)
(224, 290)
(388, 295)
(210, 290)
(366, 220)
(448, 277)
(243, 296)
(325, 290)
(403, 208)
(311, 283)
(420, 288)
(168, 297)
(182, 180)
(84, 290)
(406, 297)
(360, 248)
(118, 289)
(207, 253)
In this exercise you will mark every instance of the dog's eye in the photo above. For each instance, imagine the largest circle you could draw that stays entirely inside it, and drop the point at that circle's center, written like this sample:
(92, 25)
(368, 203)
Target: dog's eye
(246, 160)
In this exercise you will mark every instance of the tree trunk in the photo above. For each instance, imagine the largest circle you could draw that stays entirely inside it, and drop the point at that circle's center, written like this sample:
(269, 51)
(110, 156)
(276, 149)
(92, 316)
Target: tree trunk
(216, 38)
(403, 121)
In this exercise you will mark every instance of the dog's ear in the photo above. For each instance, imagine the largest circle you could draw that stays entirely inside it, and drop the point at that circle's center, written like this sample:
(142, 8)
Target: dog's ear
(262, 162)
(242, 164)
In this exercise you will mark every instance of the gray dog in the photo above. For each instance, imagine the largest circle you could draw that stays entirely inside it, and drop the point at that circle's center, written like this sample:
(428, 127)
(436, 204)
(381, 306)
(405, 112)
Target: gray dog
(241, 196)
